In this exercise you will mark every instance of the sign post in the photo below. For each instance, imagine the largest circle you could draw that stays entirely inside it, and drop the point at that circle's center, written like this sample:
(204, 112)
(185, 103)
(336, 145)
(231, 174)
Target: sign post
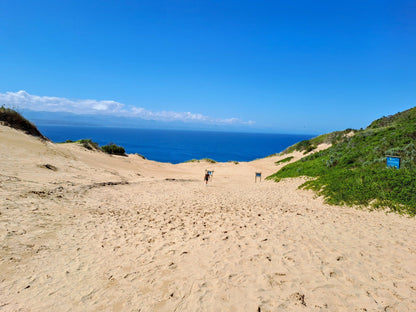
(393, 162)
(257, 175)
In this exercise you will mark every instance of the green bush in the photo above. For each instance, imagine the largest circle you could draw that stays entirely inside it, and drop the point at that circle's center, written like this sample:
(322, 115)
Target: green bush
(89, 144)
(310, 148)
(113, 149)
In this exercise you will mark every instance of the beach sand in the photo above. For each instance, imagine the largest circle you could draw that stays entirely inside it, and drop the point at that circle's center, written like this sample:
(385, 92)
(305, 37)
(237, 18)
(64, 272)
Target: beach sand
(85, 231)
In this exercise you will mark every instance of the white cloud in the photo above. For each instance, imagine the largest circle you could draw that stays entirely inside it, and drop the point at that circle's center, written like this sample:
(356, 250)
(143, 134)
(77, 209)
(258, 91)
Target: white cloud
(24, 100)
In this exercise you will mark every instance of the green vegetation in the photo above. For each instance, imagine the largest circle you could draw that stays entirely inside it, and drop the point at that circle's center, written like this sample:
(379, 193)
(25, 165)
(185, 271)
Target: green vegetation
(9, 117)
(211, 161)
(113, 149)
(88, 144)
(192, 160)
(13, 119)
(272, 155)
(141, 156)
(353, 171)
(284, 160)
(309, 145)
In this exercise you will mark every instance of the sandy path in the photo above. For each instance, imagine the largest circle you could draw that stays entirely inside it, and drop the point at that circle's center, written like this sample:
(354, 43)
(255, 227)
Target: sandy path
(72, 241)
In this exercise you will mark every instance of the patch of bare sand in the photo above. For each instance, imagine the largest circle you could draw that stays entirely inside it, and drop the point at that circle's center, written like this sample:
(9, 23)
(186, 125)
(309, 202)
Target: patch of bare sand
(111, 233)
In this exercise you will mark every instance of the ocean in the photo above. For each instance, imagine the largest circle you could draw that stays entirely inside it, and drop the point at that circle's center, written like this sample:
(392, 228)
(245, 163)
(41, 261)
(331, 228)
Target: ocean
(176, 146)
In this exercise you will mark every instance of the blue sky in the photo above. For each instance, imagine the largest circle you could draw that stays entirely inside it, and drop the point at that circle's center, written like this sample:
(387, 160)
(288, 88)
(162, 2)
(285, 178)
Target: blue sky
(270, 66)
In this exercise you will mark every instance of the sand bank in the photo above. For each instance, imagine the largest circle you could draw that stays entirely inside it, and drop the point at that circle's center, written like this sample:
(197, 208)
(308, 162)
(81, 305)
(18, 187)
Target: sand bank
(85, 231)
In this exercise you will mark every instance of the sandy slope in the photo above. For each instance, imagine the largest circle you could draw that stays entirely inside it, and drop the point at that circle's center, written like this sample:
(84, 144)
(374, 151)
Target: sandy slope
(110, 233)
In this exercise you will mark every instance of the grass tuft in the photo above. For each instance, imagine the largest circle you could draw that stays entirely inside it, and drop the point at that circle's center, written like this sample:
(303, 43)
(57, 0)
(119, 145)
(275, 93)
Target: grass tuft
(284, 160)
(209, 160)
(191, 161)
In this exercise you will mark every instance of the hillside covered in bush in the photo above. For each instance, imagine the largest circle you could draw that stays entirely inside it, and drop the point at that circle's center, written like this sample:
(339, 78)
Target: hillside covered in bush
(353, 171)
(11, 118)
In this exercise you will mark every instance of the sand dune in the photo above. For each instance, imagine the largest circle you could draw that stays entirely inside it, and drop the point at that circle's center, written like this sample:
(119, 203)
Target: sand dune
(85, 231)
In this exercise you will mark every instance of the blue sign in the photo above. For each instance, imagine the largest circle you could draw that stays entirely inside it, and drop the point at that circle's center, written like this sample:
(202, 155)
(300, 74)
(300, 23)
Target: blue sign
(393, 162)
(258, 174)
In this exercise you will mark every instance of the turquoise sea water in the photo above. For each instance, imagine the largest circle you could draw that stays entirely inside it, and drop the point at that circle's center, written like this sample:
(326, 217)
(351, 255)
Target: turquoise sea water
(176, 146)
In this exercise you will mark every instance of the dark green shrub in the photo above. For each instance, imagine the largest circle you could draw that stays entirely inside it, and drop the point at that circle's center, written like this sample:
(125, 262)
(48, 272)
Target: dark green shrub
(310, 148)
(113, 149)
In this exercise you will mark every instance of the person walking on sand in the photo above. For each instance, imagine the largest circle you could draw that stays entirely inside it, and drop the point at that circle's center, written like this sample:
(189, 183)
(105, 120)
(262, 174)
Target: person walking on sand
(206, 178)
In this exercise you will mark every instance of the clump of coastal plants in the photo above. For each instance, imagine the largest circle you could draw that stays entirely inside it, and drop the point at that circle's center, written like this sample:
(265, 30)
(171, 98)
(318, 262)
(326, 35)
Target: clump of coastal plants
(11, 118)
(284, 160)
(353, 171)
(307, 146)
(113, 149)
(88, 144)
(208, 160)
(139, 155)
(192, 160)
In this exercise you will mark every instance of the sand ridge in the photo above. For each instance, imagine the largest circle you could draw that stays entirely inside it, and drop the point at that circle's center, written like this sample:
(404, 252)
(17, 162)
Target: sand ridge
(85, 231)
